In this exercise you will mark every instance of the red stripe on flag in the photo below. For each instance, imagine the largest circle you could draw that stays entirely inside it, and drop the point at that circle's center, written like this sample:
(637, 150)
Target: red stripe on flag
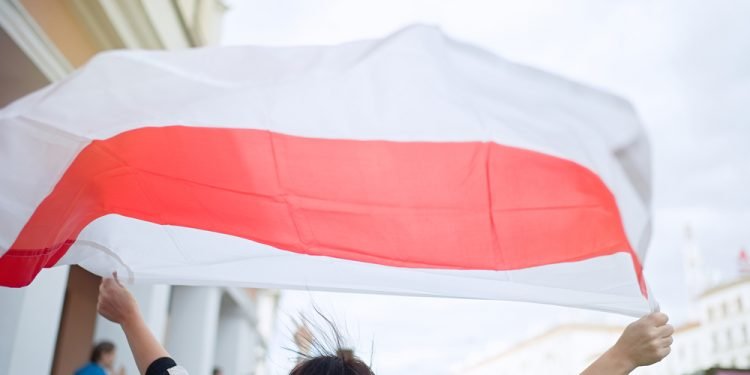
(451, 205)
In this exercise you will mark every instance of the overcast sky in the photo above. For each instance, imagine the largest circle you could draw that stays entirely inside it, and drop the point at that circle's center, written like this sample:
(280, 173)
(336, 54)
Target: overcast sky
(684, 64)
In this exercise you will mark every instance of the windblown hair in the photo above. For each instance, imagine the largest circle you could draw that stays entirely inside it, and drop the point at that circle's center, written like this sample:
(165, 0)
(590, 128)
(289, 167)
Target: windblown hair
(327, 355)
(101, 349)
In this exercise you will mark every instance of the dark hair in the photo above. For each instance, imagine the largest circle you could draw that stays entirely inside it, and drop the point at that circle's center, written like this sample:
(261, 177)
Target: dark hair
(101, 349)
(331, 357)
(343, 363)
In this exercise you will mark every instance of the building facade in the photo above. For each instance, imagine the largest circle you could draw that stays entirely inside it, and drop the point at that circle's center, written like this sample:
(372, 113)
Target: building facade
(50, 326)
(718, 338)
(546, 354)
(725, 325)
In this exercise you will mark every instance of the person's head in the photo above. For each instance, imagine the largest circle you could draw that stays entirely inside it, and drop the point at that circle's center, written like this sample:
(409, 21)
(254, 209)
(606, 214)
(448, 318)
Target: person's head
(326, 342)
(217, 371)
(103, 354)
(343, 362)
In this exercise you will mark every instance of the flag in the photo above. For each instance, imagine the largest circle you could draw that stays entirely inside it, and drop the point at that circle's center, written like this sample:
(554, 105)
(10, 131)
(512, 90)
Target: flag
(414, 165)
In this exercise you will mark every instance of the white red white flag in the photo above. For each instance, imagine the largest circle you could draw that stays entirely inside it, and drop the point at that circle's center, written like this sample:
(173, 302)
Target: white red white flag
(413, 165)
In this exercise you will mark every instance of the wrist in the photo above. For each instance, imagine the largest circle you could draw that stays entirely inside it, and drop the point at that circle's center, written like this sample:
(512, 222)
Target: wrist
(619, 361)
(131, 320)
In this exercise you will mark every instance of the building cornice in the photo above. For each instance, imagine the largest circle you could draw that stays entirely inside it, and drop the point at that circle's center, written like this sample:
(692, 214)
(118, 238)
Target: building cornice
(32, 40)
(724, 286)
(134, 24)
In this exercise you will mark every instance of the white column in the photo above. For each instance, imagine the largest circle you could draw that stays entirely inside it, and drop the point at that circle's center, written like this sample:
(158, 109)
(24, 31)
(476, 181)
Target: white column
(29, 320)
(236, 343)
(153, 301)
(193, 321)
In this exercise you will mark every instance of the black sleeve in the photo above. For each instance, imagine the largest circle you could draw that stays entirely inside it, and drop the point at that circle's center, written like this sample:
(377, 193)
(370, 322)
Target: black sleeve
(160, 366)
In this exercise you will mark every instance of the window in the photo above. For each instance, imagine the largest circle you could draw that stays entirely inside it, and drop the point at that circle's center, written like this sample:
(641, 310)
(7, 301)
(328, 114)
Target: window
(710, 314)
(715, 341)
(744, 334)
(729, 337)
(696, 354)
(724, 309)
(739, 305)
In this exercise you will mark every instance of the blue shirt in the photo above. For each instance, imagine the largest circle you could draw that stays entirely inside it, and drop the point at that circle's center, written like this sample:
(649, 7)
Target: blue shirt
(91, 369)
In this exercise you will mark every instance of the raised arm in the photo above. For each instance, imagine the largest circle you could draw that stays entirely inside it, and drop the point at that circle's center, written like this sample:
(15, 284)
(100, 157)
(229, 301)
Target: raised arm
(644, 342)
(118, 305)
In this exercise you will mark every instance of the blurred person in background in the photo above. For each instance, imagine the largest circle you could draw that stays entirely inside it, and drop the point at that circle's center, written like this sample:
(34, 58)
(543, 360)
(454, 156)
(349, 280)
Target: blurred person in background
(644, 342)
(101, 361)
